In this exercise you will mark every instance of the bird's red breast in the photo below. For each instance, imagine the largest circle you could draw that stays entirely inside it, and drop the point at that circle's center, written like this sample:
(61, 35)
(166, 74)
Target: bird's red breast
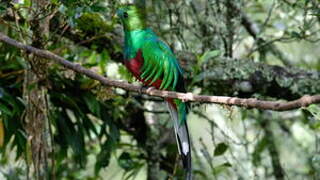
(135, 64)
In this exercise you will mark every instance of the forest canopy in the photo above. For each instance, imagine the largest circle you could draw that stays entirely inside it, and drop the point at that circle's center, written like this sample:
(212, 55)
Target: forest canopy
(66, 111)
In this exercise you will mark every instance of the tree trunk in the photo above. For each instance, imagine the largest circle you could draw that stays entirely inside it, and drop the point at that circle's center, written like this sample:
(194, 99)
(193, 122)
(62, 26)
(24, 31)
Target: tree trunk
(35, 95)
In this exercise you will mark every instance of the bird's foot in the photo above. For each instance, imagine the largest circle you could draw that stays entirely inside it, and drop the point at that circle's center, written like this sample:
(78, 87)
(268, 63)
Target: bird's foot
(142, 88)
(146, 88)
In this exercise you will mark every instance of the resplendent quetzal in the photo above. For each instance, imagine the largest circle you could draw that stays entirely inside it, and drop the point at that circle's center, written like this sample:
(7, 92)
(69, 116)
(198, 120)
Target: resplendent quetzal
(153, 63)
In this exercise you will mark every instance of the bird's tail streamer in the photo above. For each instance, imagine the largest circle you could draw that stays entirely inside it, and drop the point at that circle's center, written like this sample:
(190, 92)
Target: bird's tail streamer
(178, 112)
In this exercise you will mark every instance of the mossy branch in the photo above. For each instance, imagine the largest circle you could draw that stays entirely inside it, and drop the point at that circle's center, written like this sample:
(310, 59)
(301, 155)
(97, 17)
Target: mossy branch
(248, 103)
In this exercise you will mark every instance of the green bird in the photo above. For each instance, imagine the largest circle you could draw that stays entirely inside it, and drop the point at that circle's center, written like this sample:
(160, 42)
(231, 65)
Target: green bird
(153, 63)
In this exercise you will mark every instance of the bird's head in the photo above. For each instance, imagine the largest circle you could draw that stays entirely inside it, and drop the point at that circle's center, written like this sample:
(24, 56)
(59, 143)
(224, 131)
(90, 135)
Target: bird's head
(132, 17)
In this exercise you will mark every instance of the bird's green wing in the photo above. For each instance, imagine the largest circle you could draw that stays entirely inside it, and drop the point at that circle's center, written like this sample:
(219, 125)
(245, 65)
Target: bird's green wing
(159, 63)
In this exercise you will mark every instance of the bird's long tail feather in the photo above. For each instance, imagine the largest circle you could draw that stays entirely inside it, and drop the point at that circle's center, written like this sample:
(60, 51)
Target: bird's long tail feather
(178, 111)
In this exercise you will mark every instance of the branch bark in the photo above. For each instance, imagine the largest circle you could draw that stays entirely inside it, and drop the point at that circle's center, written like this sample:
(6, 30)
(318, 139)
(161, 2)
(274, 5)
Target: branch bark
(248, 103)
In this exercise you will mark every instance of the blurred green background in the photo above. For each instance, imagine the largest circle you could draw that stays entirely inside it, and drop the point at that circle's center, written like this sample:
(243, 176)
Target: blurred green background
(56, 124)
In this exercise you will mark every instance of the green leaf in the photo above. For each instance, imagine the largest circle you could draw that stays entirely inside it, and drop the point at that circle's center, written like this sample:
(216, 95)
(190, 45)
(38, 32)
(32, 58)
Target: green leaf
(295, 34)
(103, 158)
(63, 9)
(220, 168)
(314, 110)
(104, 58)
(125, 161)
(55, 2)
(5, 110)
(200, 173)
(315, 161)
(92, 104)
(32, 86)
(125, 74)
(1, 92)
(71, 135)
(262, 144)
(133, 174)
(220, 149)
(27, 3)
(2, 8)
(209, 55)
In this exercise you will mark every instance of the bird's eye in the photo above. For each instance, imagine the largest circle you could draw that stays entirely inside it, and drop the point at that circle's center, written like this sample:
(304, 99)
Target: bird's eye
(125, 15)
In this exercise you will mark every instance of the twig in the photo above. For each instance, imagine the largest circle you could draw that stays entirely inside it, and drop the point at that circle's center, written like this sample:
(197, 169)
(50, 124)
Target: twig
(248, 103)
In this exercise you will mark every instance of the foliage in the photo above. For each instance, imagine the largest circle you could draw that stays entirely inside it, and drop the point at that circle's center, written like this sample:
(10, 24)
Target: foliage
(100, 132)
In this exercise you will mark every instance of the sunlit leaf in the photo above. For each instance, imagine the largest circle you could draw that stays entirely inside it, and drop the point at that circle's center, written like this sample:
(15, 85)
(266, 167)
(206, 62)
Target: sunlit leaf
(314, 110)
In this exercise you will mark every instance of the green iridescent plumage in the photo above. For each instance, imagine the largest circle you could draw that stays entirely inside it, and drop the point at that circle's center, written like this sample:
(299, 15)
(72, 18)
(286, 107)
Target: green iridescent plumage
(159, 61)
(153, 63)
(137, 19)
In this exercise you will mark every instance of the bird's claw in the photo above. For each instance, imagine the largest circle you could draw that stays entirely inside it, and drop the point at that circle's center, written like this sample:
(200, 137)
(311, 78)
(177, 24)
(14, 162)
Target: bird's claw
(143, 87)
(147, 88)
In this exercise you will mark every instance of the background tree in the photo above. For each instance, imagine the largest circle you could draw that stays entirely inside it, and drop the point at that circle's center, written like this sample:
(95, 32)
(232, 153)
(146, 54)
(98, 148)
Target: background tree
(57, 124)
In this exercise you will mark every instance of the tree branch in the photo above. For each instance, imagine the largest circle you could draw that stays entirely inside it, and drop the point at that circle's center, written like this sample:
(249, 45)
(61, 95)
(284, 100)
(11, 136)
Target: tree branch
(254, 31)
(248, 103)
(245, 78)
